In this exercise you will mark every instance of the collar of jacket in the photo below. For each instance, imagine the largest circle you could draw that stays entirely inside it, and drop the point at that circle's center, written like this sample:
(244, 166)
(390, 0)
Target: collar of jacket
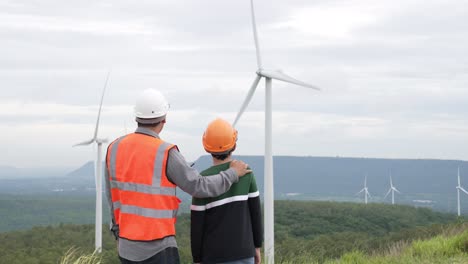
(146, 131)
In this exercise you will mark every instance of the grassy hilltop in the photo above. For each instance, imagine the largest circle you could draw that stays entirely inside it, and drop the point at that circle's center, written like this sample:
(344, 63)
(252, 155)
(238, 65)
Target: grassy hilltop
(449, 247)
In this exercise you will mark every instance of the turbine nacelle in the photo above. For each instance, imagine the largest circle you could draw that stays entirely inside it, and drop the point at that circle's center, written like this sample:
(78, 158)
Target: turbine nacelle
(271, 74)
(85, 143)
(102, 140)
(91, 141)
(366, 191)
(281, 76)
(392, 189)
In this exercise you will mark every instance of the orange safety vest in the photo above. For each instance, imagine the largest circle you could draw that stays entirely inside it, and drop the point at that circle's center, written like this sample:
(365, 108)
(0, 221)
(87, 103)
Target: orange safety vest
(144, 200)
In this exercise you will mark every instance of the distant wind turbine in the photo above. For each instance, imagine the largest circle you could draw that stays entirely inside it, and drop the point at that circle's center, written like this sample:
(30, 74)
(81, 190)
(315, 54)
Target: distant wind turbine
(365, 190)
(459, 188)
(392, 190)
(269, 75)
(98, 173)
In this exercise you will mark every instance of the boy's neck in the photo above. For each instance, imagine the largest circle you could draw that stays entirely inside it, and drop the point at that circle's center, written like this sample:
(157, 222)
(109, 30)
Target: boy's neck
(218, 162)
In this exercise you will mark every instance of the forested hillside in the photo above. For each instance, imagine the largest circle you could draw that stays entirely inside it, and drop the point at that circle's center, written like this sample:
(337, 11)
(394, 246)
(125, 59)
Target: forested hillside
(303, 230)
(25, 211)
(324, 230)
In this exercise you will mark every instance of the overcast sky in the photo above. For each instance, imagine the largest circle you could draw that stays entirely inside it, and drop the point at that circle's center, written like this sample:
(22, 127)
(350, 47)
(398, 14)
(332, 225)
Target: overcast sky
(394, 75)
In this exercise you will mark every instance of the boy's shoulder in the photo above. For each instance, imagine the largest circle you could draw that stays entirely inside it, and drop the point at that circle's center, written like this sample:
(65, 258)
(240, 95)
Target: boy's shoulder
(215, 169)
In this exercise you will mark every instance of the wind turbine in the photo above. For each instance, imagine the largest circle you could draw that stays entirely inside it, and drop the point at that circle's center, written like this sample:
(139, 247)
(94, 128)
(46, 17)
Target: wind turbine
(392, 190)
(459, 188)
(269, 75)
(98, 174)
(365, 190)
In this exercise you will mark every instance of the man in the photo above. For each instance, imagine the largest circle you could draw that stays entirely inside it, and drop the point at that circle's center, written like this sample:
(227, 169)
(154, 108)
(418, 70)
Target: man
(142, 172)
(227, 228)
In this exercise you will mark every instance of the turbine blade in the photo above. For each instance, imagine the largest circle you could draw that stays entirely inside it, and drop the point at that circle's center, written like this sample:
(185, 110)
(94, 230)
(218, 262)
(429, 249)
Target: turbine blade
(459, 176)
(278, 75)
(100, 106)
(84, 143)
(391, 182)
(463, 190)
(368, 193)
(254, 26)
(360, 191)
(247, 99)
(388, 193)
(396, 190)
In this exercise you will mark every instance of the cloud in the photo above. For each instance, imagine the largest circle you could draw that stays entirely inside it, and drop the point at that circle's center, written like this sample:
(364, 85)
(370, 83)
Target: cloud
(393, 74)
(65, 24)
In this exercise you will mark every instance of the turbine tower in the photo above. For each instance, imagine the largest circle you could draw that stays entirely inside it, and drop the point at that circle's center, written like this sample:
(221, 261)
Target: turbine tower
(459, 188)
(365, 190)
(98, 174)
(269, 75)
(392, 190)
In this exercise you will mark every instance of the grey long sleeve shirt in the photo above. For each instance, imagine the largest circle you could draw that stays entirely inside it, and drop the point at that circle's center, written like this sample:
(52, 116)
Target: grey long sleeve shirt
(190, 181)
(186, 178)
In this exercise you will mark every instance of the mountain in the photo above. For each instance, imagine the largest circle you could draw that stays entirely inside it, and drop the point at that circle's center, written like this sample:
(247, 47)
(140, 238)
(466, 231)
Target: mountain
(10, 172)
(325, 175)
(40, 181)
(86, 171)
(422, 182)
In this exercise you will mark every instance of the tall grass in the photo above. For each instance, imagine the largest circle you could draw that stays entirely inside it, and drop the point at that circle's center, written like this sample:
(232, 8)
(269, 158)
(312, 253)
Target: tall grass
(74, 256)
(450, 247)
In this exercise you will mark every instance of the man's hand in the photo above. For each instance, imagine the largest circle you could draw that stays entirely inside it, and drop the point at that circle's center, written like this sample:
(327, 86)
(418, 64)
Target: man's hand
(240, 167)
(258, 256)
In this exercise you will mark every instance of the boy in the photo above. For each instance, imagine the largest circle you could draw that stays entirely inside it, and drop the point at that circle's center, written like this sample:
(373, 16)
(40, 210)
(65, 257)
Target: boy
(227, 228)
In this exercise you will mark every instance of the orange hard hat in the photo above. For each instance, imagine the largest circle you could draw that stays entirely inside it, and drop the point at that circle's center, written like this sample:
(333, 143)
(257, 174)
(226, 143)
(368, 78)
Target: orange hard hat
(219, 137)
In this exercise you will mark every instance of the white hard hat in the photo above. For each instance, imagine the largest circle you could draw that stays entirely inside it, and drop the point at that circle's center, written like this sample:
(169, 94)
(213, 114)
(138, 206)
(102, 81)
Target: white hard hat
(151, 107)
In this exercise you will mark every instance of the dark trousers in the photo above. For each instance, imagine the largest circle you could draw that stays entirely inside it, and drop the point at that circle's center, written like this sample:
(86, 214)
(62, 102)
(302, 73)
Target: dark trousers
(167, 256)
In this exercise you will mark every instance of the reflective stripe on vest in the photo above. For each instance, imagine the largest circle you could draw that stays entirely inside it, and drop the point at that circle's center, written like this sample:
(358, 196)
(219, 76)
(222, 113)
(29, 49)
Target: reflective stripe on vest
(142, 211)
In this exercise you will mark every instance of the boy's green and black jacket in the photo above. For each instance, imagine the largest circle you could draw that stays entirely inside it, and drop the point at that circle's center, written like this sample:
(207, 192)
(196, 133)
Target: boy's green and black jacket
(227, 227)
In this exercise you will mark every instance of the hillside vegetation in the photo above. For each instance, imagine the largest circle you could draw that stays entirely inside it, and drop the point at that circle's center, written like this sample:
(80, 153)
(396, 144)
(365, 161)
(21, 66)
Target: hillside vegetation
(449, 247)
(25, 211)
(309, 231)
(325, 230)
